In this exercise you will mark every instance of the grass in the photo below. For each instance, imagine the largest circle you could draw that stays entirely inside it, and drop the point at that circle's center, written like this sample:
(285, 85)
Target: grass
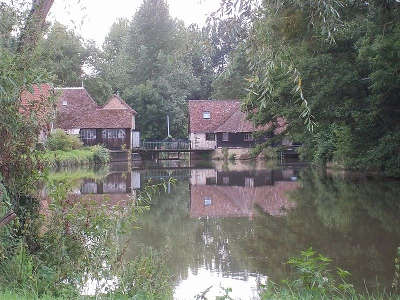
(76, 175)
(83, 156)
(288, 294)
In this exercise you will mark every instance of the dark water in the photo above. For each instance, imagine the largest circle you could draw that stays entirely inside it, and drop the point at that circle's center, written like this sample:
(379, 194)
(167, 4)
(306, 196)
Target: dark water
(234, 225)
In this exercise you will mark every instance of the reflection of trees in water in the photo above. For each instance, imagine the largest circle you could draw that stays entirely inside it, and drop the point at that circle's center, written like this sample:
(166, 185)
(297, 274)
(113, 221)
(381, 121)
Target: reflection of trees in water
(355, 223)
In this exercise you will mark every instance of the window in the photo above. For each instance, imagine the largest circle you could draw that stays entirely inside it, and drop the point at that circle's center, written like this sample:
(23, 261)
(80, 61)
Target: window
(207, 201)
(113, 134)
(225, 180)
(64, 103)
(249, 181)
(211, 180)
(248, 137)
(88, 134)
(225, 137)
(210, 136)
(206, 115)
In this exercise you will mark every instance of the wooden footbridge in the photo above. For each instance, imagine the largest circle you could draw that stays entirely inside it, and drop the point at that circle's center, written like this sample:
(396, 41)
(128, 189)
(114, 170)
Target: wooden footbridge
(167, 150)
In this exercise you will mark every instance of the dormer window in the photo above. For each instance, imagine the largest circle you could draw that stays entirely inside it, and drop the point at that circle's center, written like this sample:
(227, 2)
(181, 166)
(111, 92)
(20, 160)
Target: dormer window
(206, 115)
(64, 103)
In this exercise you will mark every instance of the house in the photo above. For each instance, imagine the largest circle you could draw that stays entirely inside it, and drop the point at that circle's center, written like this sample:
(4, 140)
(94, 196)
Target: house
(112, 125)
(221, 124)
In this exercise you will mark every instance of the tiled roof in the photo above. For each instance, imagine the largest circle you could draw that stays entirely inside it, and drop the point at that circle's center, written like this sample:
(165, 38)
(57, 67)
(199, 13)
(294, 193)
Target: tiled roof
(225, 116)
(116, 102)
(106, 118)
(219, 111)
(77, 109)
(237, 122)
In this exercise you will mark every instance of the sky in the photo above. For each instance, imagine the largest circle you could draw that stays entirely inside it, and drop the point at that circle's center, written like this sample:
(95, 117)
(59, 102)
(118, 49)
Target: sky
(92, 19)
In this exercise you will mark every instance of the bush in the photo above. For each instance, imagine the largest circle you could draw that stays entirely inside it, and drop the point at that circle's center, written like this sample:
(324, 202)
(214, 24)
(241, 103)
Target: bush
(101, 154)
(59, 140)
(270, 153)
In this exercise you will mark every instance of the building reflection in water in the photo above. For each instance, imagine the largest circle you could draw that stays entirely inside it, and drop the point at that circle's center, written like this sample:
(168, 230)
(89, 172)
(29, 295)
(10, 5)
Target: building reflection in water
(238, 193)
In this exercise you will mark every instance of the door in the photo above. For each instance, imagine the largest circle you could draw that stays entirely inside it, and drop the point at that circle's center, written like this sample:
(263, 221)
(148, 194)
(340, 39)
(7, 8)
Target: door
(135, 139)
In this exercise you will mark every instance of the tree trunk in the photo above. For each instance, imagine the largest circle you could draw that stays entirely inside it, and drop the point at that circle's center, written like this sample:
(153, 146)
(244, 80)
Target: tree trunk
(34, 25)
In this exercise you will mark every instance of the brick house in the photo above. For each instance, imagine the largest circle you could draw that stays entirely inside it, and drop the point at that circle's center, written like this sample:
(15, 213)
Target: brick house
(219, 124)
(112, 125)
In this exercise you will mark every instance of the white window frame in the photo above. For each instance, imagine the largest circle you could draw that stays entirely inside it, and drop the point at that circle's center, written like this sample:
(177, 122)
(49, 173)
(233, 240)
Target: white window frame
(248, 137)
(207, 201)
(65, 103)
(210, 139)
(88, 134)
(206, 115)
(225, 136)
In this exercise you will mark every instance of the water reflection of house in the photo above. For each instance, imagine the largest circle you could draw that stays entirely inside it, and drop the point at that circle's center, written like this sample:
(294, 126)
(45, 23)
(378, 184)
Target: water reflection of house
(235, 194)
(115, 188)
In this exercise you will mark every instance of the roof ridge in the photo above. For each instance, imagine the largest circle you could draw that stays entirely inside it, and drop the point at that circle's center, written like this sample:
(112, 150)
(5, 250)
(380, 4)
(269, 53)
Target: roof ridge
(70, 88)
(123, 102)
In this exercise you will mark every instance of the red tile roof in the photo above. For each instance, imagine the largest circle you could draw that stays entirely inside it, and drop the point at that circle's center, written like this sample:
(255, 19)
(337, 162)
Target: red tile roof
(81, 111)
(116, 102)
(237, 122)
(220, 111)
(225, 116)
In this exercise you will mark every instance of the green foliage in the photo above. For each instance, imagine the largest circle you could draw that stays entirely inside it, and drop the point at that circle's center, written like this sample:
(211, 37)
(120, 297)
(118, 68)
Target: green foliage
(87, 155)
(270, 153)
(330, 68)
(54, 252)
(225, 154)
(232, 83)
(314, 280)
(145, 277)
(62, 53)
(156, 64)
(396, 277)
(60, 140)
(232, 156)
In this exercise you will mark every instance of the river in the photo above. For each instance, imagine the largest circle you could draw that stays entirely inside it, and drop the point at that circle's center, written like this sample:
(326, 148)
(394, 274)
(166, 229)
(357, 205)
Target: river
(233, 225)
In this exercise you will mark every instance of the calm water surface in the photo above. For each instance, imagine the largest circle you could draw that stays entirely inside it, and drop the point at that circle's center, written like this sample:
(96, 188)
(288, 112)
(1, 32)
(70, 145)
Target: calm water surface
(234, 225)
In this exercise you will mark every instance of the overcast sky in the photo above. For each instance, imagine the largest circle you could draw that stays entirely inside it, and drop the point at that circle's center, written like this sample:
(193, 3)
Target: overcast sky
(92, 19)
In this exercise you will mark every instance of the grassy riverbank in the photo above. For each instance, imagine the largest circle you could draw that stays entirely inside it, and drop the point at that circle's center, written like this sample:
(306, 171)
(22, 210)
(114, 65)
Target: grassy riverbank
(82, 156)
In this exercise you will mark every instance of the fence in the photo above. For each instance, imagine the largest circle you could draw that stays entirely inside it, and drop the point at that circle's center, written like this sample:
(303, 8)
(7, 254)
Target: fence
(177, 145)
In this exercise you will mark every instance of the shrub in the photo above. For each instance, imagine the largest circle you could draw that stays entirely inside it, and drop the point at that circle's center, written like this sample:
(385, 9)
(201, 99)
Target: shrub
(59, 140)
(101, 154)
(270, 153)
(225, 153)
(232, 156)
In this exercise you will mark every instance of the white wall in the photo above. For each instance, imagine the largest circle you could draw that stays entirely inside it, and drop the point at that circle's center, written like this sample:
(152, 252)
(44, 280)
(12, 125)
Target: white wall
(198, 141)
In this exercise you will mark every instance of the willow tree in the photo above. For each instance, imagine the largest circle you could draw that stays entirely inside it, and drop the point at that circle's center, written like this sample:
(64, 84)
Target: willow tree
(330, 68)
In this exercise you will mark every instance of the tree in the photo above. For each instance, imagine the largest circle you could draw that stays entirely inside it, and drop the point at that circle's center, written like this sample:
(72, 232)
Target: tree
(63, 54)
(330, 65)
(154, 56)
(20, 162)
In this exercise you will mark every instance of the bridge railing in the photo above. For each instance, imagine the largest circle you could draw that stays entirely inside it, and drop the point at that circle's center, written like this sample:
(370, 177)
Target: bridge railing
(176, 145)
